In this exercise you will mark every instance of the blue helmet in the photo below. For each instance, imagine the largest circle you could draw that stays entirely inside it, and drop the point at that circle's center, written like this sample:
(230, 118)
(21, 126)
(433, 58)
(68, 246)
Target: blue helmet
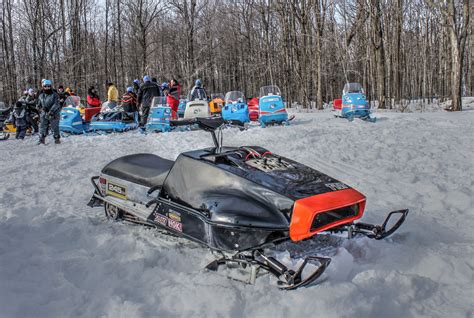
(47, 82)
(137, 81)
(198, 83)
(164, 85)
(146, 78)
(129, 89)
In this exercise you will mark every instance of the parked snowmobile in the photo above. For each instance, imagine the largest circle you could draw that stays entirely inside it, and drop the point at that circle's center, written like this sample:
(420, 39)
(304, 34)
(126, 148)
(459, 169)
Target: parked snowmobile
(236, 200)
(4, 115)
(160, 115)
(75, 119)
(272, 108)
(182, 106)
(113, 120)
(235, 107)
(216, 104)
(197, 106)
(353, 104)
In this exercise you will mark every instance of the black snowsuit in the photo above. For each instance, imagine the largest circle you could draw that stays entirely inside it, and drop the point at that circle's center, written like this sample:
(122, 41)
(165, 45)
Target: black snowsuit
(147, 91)
(198, 93)
(18, 118)
(29, 102)
(62, 97)
(48, 104)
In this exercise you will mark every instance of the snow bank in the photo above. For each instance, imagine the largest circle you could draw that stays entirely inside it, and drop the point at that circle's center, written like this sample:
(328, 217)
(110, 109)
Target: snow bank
(61, 258)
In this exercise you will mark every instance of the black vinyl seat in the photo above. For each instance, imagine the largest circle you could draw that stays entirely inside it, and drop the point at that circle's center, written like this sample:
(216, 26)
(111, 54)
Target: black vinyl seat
(144, 168)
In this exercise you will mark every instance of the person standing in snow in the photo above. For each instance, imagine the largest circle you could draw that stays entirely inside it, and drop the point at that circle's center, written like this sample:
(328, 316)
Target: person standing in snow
(136, 86)
(198, 92)
(62, 95)
(18, 118)
(112, 95)
(129, 101)
(147, 91)
(172, 98)
(32, 114)
(48, 105)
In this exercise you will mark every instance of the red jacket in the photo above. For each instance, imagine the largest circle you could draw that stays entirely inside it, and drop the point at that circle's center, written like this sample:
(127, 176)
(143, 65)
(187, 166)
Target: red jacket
(172, 99)
(93, 101)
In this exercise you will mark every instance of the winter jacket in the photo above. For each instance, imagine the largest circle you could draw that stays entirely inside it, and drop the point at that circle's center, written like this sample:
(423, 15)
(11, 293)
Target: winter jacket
(62, 97)
(18, 117)
(129, 102)
(147, 91)
(49, 103)
(172, 98)
(93, 101)
(198, 93)
(112, 94)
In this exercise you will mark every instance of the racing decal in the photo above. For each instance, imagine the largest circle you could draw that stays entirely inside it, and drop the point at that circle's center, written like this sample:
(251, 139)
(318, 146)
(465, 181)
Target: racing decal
(116, 190)
(178, 226)
(173, 215)
(173, 220)
(336, 186)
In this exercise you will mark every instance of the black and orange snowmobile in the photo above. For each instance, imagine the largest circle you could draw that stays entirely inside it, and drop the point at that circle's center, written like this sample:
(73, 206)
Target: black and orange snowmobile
(237, 201)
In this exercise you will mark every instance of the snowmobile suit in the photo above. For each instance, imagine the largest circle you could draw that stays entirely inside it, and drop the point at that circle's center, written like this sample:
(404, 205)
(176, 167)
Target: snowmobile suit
(198, 93)
(48, 104)
(18, 118)
(93, 101)
(145, 96)
(31, 112)
(129, 102)
(62, 97)
(172, 99)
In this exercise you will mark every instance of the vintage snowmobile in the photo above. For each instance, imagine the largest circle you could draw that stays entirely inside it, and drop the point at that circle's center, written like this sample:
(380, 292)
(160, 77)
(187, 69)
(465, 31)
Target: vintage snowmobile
(113, 120)
(271, 107)
(237, 201)
(75, 118)
(353, 104)
(216, 104)
(197, 105)
(4, 115)
(160, 115)
(235, 107)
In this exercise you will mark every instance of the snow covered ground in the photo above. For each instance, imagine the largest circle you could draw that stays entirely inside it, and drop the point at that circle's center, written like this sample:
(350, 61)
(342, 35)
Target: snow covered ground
(59, 258)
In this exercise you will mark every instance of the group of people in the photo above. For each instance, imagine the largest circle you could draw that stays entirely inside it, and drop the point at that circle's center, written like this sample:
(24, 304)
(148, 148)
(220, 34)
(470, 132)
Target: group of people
(139, 96)
(45, 106)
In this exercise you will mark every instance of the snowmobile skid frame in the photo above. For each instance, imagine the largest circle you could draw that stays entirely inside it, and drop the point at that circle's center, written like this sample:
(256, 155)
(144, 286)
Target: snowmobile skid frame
(255, 200)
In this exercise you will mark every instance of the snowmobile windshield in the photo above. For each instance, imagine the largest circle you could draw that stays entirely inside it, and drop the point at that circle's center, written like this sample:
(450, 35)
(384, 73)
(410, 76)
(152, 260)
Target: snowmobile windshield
(234, 97)
(72, 101)
(269, 91)
(353, 88)
(158, 101)
(197, 94)
(217, 95)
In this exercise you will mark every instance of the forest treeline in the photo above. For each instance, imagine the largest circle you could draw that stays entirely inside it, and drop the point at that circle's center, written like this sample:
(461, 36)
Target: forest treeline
(398, 49)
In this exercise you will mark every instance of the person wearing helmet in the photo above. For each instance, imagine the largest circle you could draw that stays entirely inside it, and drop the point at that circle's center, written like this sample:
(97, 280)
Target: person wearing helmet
(129, 101)
(32, 114)
(147, 91)
(48, 105)
(172, 98)
(198, 92)
(136, 86)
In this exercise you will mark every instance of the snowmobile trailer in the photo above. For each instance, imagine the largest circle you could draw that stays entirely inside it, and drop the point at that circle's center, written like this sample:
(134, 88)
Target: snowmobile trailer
(254, 200)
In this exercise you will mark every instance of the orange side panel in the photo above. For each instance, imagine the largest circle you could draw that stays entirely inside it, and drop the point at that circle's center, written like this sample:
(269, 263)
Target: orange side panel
(306, 209)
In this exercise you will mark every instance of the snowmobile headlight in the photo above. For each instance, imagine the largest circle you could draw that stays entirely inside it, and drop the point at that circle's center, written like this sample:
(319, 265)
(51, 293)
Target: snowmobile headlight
(348, 99)
(234, 109)
(362, 97)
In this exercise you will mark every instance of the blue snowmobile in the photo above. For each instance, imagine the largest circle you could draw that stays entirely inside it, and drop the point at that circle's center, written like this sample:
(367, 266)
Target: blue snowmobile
(113, 120)
(75, 119)
(160, 115)
(235, 107)
(272, 109)
(353, 104)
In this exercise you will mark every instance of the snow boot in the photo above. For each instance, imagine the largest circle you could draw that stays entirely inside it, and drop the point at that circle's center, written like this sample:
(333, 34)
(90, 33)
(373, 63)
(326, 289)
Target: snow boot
(57, 141)
(41, 141)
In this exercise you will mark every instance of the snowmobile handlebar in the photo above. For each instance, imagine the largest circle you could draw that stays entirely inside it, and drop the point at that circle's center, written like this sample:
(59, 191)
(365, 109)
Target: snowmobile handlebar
(207, 124)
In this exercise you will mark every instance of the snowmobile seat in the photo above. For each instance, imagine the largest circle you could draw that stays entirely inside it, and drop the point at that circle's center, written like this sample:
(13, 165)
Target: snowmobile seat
(146, 169)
